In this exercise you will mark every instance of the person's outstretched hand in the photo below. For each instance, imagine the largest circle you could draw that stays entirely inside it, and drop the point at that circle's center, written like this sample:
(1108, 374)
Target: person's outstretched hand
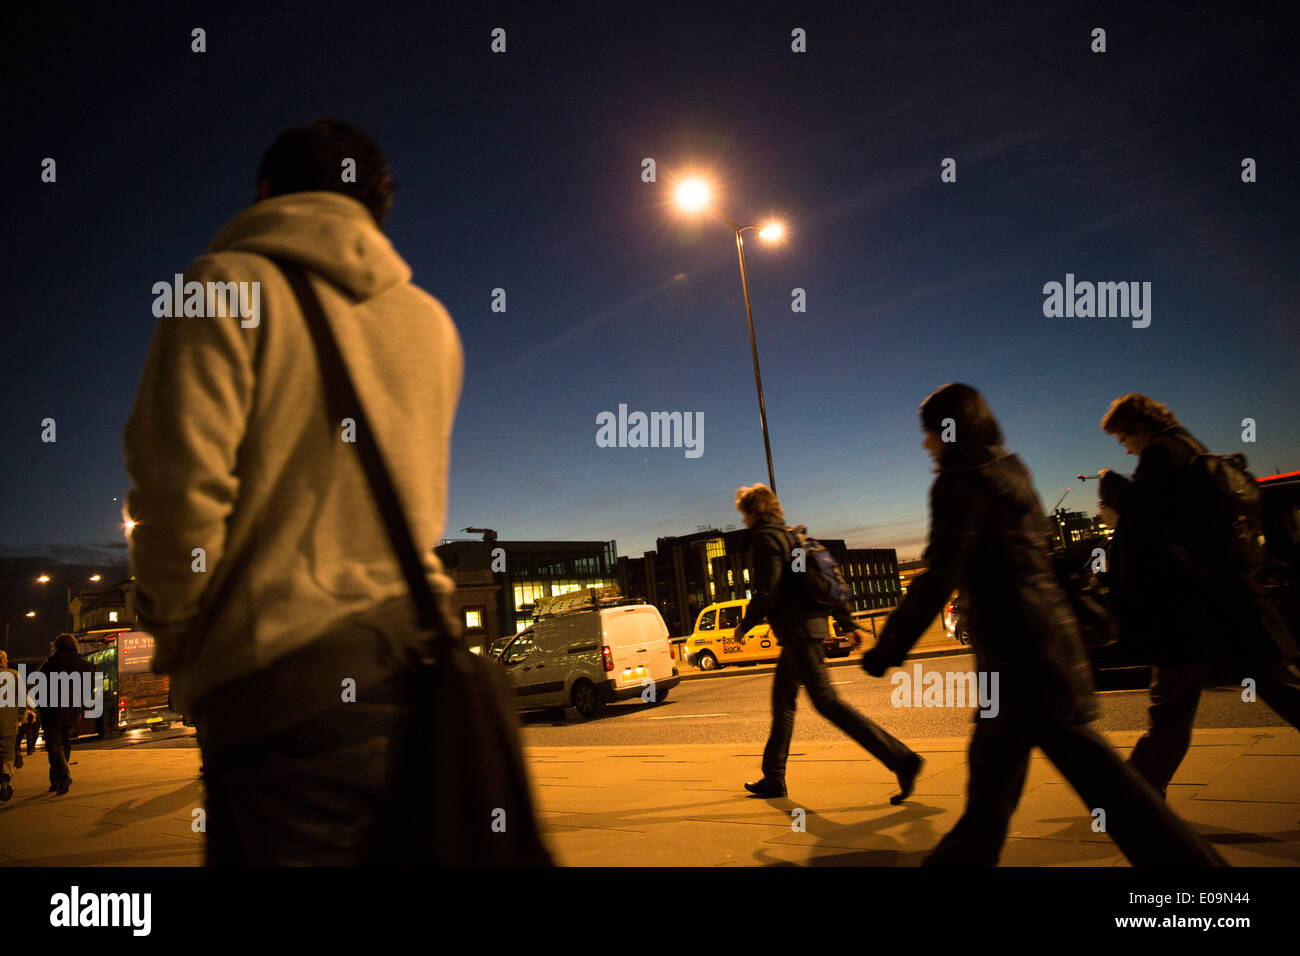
(873, 662)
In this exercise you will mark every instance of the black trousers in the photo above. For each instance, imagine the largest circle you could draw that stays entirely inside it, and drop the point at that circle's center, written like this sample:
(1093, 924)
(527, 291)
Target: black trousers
(1140, 823)
(1175, 695)
(324, 792)
(28, 732)
(803, 661)
(58, 747)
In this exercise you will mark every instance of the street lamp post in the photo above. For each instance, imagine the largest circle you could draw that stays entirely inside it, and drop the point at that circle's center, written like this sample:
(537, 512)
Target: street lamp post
(693, 194)
(8, 625)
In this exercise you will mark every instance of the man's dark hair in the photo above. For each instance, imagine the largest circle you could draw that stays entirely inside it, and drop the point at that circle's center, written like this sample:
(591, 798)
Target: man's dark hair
(1132, 413)
(310, 158)
(65, 642)
(973, 421)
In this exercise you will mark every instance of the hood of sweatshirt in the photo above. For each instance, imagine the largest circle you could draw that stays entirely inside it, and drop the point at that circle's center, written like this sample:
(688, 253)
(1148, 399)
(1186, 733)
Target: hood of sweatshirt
(326, 233)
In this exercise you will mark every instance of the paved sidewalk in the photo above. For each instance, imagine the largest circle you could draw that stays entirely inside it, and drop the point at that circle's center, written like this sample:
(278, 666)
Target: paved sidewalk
(682, 805)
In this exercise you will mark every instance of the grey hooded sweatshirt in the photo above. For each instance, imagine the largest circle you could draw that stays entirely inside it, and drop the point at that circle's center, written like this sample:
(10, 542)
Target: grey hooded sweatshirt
(229, 451)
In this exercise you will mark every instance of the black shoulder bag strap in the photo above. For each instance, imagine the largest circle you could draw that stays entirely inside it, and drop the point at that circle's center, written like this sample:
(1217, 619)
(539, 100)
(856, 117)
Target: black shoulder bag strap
(343, 402)
(485, 761)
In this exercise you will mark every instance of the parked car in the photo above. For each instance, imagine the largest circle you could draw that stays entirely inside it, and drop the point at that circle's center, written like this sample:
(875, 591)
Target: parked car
(953, 620)
(588, 658)
(496, 647)
(713, 643)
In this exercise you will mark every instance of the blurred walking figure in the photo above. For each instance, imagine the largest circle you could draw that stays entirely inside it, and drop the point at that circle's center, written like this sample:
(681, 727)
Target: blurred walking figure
(289, 484)
(799, 625)
(26, 724)
(29, 726)
(988, 537)
(13, 706)
(62, 670)
(1200, 624)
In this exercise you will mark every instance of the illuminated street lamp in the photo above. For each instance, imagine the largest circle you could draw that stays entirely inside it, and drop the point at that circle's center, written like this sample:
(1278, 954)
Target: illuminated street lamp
(8, 624)
(45, 579)
(692, 195)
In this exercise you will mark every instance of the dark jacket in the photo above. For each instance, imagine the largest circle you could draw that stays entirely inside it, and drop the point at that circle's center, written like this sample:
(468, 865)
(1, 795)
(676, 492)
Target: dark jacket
(988, 537)
(777, 592)
(1174, 614)
(63, 662)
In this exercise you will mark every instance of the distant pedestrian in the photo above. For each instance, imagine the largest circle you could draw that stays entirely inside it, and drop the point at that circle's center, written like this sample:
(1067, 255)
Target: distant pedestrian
(63, 706)
(1198, 628)
(799, 625)
(13, 701)
(28, 729)
(29, 726)
(988, 537)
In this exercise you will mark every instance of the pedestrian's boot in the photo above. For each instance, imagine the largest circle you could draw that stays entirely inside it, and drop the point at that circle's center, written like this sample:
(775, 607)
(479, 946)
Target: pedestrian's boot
(768, 787)
(907, 778)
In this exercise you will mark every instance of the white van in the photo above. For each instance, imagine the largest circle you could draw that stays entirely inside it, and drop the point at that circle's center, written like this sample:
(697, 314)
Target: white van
(585, 659)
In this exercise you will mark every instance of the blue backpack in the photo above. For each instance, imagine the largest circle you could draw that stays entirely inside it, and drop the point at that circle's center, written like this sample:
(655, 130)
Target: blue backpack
(822, 581)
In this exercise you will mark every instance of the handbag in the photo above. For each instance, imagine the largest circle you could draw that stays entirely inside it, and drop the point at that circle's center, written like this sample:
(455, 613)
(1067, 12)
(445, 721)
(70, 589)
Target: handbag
(461, 780)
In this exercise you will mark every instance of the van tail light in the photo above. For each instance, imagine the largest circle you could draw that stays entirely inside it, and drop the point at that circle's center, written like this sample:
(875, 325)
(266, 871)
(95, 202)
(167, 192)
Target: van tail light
(672, 651)
(121, 711)
(608, 655)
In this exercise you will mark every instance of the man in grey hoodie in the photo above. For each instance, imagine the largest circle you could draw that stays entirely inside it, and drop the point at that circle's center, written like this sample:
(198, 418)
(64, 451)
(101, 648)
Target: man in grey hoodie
(255, 534)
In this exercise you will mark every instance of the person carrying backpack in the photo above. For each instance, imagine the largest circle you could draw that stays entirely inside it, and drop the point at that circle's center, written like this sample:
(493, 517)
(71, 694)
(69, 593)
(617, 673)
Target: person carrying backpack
(1188, 540)
(796, 604)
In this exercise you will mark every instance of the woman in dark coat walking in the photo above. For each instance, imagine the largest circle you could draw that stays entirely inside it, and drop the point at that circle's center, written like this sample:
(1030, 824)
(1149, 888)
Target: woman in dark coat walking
(988, 537)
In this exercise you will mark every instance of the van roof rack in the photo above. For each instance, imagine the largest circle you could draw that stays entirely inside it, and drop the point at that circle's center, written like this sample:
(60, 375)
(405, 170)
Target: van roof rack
(577, 602)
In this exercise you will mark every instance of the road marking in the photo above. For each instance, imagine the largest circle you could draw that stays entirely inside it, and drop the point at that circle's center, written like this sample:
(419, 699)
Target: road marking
(688, 716)
(843, 682)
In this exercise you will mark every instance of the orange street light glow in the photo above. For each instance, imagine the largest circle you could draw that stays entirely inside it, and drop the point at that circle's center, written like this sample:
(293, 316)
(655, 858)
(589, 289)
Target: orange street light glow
(771, 231)
(43, 579)
(692, 195)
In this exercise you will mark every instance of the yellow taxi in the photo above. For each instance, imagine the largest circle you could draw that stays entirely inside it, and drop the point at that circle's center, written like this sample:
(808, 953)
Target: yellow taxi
(714, 644)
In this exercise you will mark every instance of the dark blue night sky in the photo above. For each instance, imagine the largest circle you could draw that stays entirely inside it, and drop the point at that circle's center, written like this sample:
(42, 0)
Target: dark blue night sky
(522, 170)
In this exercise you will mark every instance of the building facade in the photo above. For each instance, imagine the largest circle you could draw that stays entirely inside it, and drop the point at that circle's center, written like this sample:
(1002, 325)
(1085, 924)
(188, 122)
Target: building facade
(521, 572)
(685, 574)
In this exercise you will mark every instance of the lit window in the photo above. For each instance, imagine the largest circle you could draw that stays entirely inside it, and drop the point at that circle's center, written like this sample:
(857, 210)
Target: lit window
(112, 617)
(473, 618)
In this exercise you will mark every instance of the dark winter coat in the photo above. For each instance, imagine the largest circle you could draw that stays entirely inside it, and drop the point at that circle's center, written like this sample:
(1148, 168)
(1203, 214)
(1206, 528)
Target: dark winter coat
(63, 662)
(988, 537)
(1171, 612)
(778, 595)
